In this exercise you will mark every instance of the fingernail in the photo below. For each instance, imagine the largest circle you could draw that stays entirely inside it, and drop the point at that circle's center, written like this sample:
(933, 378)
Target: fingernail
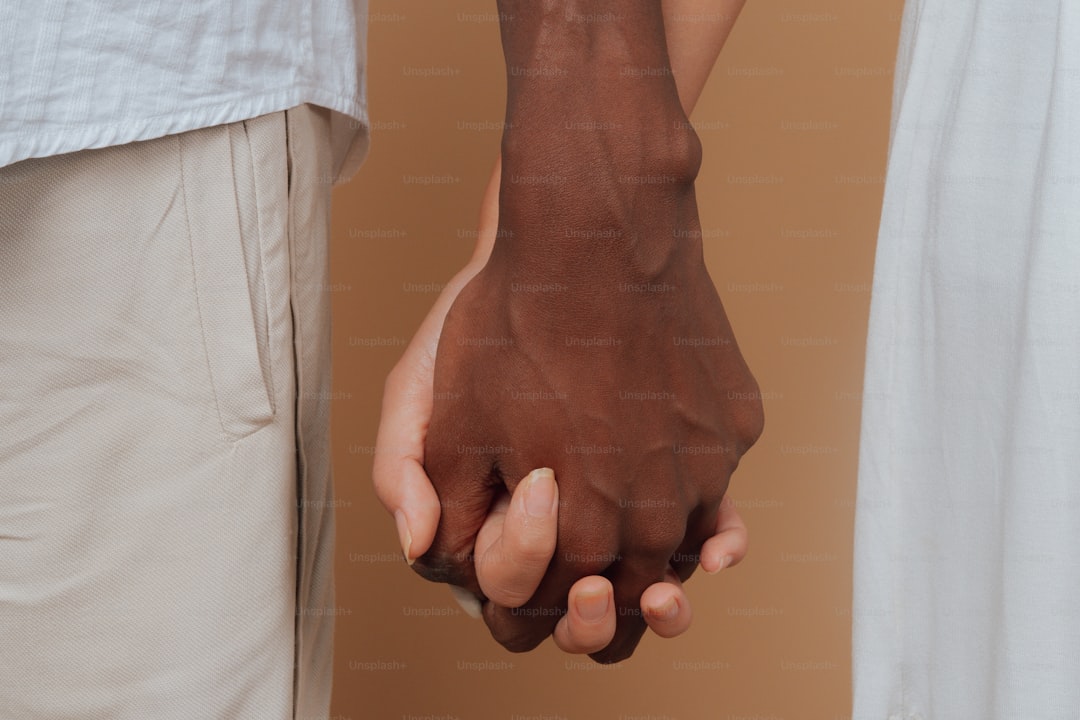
(540, 494)
(667, 611)
(468, 602)
(724, 561)
(592, 606)
(404, 535)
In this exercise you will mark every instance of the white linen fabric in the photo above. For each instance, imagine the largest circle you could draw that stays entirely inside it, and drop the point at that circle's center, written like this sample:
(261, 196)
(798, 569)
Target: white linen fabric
(967, 585)
(78, 74)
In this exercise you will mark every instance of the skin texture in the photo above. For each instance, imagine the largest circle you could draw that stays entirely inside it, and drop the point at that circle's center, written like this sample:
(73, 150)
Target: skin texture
(513, 548)
(518, 564)
(593, 341)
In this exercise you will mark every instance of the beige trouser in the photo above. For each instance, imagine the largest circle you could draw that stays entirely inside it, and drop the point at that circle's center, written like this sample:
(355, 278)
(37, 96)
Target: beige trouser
(165, 493)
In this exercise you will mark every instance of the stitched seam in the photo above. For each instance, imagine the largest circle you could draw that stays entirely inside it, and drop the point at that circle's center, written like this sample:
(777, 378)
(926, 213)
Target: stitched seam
(261, 278)
(195, 286)
(297, 340)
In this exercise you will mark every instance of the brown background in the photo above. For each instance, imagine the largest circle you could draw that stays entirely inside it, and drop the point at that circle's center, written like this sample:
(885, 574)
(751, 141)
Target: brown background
(795, 127)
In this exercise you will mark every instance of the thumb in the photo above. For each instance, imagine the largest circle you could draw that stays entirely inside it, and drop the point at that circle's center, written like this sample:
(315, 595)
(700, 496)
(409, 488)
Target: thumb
(517, 541)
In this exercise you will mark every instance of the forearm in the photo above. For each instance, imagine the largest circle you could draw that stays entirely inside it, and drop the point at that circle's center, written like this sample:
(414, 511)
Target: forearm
(589, 58)
(695, 31)
(596, 141)
(581, 60)
(597, 120)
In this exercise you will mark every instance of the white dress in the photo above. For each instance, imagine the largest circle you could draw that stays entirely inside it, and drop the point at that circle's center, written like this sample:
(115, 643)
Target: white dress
(967, 548)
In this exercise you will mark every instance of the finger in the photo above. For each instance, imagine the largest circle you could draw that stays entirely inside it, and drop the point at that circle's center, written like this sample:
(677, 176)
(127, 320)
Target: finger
(589, 623)
(666, 608)
(701, 525)
(523, 628)
(400, 481)
(730, 543)
(516, 542)
(646, 553)
(630, 582)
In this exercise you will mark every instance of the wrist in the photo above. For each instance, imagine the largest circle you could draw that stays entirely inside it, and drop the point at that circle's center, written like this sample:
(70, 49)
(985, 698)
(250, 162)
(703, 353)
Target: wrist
(597, 263)
(610, 291)
(620, 206)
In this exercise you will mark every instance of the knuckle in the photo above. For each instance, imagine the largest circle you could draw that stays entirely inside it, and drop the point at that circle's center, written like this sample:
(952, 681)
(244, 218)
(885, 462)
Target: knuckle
(380, 485)
(713, 491)
(749, 418)
(505, 593)
(382, 479)
(586, 551)
(753, 425)
(660, 538)
(529, 550)
(529, 563)
(508, 580)
(519, 637)
(613, 653)
(626, 640)
(519, 643)
(582, 562)
(687, 557)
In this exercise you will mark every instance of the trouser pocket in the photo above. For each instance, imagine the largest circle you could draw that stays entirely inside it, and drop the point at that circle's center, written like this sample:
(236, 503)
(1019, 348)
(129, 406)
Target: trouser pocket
(227, 263)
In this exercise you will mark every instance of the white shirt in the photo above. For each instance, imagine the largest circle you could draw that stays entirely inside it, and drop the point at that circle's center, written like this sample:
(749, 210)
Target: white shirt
(78, 74)
(968, 514)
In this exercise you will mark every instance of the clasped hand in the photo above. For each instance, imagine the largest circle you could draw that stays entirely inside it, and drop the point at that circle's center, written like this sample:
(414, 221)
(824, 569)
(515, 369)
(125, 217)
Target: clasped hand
(629, 386)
